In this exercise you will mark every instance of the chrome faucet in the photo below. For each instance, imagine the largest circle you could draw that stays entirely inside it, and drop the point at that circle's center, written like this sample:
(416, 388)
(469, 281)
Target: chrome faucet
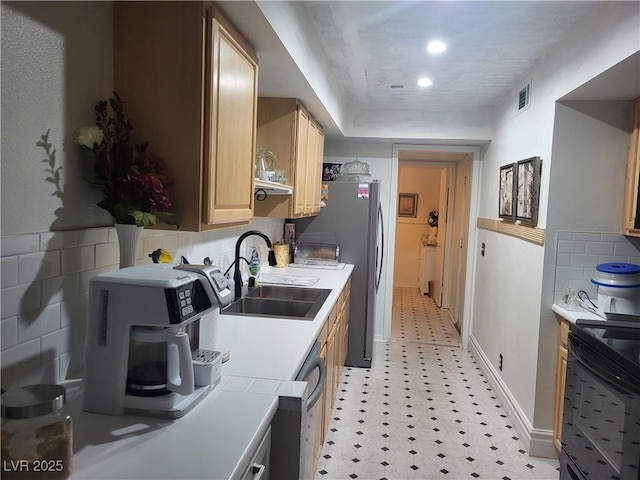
(237, 277)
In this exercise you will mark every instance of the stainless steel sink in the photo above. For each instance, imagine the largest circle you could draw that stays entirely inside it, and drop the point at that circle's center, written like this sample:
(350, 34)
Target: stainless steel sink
(279, 302)
(289, 293)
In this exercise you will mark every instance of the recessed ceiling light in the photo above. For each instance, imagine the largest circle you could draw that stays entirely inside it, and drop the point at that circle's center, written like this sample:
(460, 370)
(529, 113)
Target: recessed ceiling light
(425, 82)
(436, 47)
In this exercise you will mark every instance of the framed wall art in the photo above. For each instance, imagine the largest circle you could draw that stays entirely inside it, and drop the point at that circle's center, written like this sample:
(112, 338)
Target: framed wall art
(528, 190)
(407, 204)
(507, 192)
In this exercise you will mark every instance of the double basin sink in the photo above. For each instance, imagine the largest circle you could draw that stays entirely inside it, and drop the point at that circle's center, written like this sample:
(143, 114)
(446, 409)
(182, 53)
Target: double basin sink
(292, 303)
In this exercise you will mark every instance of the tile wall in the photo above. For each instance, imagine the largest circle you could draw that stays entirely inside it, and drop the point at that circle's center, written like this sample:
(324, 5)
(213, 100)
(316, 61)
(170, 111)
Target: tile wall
(44, 289)
(578, 253)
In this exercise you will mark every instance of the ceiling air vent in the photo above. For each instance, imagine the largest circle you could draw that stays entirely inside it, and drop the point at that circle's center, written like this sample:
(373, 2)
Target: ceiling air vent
(523, 98)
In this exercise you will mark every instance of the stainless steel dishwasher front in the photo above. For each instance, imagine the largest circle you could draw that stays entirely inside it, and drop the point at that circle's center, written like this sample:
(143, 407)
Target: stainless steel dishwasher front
(294, 427)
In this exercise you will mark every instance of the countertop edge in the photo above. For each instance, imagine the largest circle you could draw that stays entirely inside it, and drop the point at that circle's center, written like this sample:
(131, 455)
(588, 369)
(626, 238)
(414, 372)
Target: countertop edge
(572, 315)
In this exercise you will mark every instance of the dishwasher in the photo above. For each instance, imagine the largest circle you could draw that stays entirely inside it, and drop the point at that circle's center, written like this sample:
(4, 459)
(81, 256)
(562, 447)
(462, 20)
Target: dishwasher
(297, 423)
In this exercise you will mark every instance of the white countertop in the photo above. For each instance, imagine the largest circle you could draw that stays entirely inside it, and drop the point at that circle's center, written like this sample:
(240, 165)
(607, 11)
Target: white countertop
(271, 347)
(216, 439)
(573, 315)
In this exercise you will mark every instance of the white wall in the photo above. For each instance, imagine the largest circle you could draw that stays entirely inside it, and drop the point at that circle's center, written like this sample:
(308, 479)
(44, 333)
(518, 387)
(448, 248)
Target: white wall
(57, 62)
(424, 181)
(510, 313)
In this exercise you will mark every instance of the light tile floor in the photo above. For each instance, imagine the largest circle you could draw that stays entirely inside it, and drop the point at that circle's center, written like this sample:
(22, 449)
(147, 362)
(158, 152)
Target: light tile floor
(423, 410)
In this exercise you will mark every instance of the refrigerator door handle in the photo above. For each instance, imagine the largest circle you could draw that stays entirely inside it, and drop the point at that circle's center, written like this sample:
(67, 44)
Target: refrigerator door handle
(380, 248)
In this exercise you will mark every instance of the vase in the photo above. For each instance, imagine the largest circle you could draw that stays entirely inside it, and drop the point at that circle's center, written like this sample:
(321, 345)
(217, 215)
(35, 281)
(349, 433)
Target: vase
(128, 237)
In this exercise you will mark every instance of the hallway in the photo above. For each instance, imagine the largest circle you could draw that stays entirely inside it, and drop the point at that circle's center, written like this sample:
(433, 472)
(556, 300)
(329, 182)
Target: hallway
(423, 410)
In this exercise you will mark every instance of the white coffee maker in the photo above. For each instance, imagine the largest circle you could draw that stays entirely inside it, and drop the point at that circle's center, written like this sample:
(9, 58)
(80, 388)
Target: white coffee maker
(142, 346)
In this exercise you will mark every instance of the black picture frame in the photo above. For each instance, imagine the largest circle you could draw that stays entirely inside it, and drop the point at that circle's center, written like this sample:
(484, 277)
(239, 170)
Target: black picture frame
(528, 190)
(507, 192)
(407, 204)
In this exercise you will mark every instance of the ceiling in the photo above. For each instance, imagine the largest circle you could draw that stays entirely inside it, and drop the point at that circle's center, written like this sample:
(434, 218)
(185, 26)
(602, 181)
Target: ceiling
(355, 64)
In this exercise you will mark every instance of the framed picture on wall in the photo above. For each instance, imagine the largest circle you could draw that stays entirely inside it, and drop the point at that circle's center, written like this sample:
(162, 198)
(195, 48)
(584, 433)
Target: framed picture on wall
(507, 192)
(528, 190)
(407, 204)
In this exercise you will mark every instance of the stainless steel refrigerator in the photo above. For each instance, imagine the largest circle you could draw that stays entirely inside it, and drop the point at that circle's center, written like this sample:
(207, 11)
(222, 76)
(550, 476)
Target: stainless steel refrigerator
(352, 218)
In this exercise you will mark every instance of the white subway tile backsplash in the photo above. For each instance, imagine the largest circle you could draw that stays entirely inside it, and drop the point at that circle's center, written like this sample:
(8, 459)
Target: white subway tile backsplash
(84, 277)
(107, 254)
(78, 259)
(38, 323)
(113, 235)
(48, 372)
(578, 254)
(570, 273)
(572, 246)
(9, 332)
(585, 261)
(9, 269)
(45, 284)
(74, 310)
(58, 240)
(563, 259)
(25, 355)
(624, 249)
(20, 299)
(600, 248)
(612, 237)
(36, 266)
(19, 244)
(171, 242)
(56, 343)
(57, 289)
(92, 236)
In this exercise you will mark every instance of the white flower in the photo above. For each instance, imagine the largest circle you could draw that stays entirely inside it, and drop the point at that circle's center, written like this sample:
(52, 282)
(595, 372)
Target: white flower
(89, 137)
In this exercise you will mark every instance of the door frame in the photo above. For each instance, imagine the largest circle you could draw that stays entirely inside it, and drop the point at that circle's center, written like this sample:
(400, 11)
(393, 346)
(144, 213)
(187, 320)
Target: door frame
(472, 231)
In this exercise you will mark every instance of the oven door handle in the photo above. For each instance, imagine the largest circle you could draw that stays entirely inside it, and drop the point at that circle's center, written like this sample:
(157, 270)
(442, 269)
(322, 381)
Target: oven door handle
(618, 383)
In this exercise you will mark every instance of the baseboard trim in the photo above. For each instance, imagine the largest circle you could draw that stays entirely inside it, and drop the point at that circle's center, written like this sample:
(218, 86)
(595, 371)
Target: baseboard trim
(537, 442)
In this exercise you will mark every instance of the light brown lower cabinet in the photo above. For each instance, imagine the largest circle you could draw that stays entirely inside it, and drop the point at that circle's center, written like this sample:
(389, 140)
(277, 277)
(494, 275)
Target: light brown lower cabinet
(333, 338)
(561, 372)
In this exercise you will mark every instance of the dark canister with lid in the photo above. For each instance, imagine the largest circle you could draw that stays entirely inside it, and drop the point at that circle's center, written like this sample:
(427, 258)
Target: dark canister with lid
(37, 433)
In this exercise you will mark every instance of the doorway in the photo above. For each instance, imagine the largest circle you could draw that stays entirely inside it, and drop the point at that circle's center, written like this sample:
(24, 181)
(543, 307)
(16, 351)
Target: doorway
(459, 166)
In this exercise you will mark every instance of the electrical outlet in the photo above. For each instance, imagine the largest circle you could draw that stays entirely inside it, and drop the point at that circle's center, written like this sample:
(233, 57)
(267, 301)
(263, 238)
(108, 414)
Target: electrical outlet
(500, 363)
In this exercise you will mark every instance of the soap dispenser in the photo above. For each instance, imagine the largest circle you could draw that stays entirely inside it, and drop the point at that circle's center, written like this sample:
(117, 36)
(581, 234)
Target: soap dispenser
(254, 263)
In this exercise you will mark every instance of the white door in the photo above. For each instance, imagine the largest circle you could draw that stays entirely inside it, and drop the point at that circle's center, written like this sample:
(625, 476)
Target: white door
(461, 238)
(443, 207)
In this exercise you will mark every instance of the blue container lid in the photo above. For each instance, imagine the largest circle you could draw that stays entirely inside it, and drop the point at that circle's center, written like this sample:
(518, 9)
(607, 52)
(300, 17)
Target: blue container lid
(617, 275)
(618, 268)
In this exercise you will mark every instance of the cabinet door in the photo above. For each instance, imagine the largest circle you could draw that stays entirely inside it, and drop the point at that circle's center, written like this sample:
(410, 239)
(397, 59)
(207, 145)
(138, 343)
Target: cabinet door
(231, 123)
(320, 427)
(329, 390)
(561, 372)
(302, 139)
(631, 184)
(315, 150)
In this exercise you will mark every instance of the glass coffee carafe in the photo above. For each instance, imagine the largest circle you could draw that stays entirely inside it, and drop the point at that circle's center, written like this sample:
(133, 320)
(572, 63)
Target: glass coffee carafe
(159, 362)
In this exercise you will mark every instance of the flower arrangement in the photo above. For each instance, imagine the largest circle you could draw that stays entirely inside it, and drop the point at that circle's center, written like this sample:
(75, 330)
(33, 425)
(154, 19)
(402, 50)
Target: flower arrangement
(133, 182)
(433, 218)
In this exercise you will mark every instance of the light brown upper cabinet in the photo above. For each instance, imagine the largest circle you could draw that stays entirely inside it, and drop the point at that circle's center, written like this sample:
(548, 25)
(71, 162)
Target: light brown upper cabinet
(631, 221)
(296, 139)
(189, 82)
